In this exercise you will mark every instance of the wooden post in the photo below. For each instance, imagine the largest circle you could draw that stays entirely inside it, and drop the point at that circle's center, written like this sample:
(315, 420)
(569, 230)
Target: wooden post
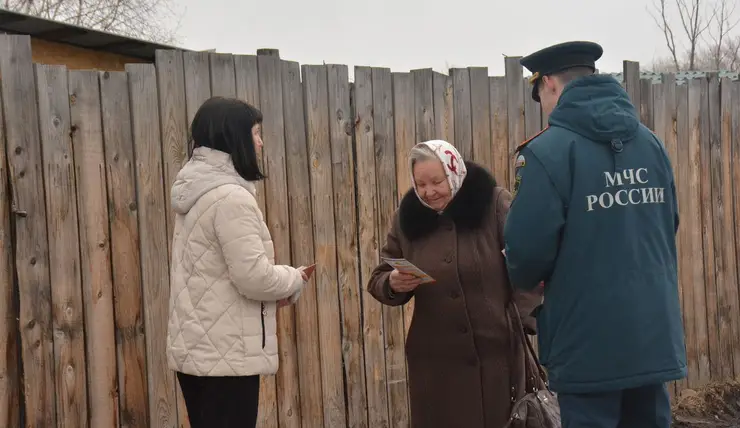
(631, 73)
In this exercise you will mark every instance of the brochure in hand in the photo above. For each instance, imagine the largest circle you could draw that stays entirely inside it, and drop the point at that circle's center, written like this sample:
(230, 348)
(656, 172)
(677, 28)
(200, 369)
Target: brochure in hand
(405, 266)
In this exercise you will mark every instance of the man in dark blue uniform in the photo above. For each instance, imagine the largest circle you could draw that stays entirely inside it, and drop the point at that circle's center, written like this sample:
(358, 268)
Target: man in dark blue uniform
(595, 216)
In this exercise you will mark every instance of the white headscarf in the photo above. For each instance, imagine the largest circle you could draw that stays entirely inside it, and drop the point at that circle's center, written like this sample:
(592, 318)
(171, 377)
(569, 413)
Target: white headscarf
(452, 162)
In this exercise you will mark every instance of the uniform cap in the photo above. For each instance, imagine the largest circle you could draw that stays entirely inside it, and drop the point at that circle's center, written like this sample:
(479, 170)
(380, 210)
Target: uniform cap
(558, 58)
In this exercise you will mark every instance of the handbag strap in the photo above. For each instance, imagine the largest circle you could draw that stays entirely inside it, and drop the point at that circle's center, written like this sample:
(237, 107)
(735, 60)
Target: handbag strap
(529, 352)
(517, 328)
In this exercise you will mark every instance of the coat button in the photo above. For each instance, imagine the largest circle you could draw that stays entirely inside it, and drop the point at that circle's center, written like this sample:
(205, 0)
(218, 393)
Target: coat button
(454, 294)
(473, 361)
(463, 329)
(448, 259)
(448, 226)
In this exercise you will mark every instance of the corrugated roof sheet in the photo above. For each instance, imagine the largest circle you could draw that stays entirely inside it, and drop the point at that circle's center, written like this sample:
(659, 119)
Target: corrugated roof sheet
(18, 23)
(681, 76)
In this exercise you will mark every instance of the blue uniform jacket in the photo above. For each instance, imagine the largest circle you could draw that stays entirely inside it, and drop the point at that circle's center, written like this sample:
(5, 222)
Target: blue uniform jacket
(595, 216)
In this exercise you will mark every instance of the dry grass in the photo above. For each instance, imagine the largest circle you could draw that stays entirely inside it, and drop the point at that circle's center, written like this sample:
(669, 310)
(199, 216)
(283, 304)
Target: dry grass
(716, 405)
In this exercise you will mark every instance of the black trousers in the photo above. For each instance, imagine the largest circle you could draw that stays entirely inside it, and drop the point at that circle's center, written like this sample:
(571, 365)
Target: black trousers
(221, 402)
(645, 407)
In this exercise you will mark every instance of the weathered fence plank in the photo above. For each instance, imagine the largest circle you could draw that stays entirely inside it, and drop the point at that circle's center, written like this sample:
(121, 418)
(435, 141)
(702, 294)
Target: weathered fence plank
(377, 397)
(174, 127)
(173, 116)
(709, 137)
(223, 80)
(31, 248)
(499, 130)
(422, 102)
(686, 209)
(735, 155)
(514, 109)
(9, 364)
(407, 97)
(152, 240)
(97, 287)
(64, 248)
(480, 109)
(247, 79)
(316, 96)
(695, 106)
(308, 336)
(461, 112)
(124, 237)
(247, 89)
(411, 122)
(288, 391)
(665, 126)
(631, 82)
(444, 112)
(197, 73)
(532, 114)
(271, 104)
(385, 179)
(724, 241)
(646, 107)
(341, 130)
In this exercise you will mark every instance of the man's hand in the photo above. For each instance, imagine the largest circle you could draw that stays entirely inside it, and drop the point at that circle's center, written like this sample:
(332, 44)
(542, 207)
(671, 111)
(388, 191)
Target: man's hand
(403, 282)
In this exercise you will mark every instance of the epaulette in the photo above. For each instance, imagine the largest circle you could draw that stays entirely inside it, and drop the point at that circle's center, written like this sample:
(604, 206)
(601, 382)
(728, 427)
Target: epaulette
(522, 145)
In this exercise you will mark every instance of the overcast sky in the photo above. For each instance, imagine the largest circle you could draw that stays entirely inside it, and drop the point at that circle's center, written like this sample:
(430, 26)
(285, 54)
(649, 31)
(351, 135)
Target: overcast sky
(410, 34)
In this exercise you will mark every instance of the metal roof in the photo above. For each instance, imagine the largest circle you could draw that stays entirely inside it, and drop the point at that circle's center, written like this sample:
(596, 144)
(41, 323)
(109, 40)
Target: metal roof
(681, 76)
(60, 32)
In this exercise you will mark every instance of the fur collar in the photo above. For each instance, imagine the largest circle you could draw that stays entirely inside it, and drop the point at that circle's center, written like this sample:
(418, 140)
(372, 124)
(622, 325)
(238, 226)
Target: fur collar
(467, 210)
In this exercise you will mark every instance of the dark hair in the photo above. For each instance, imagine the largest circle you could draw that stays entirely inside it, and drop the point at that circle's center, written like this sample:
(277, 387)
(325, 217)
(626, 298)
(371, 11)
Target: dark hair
(566, 76)
(225, 124)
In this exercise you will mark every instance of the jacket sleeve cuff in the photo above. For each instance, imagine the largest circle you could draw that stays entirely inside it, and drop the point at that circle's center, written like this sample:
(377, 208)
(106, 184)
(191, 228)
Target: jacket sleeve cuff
(390, 297)
(388, 290)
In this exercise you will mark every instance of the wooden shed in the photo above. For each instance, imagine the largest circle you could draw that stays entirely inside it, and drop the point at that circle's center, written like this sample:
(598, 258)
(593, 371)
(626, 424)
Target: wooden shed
(77, 47)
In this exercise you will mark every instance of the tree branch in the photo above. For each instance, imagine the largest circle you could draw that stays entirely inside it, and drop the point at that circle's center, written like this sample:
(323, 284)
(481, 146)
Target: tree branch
(154, 20)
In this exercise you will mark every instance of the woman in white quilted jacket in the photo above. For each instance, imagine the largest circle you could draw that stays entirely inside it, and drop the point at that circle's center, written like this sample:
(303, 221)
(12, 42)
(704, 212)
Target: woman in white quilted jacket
(225, 287)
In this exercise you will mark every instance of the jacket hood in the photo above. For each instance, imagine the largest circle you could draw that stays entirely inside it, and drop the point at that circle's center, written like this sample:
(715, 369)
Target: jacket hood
(206, 170)
(598, 108)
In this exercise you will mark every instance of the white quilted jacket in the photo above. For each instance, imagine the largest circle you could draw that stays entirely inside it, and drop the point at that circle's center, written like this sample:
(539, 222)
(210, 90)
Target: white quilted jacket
(224, 284)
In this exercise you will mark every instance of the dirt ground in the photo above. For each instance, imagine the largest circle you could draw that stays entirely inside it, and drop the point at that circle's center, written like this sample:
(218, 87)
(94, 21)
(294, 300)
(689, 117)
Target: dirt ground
(713, 406)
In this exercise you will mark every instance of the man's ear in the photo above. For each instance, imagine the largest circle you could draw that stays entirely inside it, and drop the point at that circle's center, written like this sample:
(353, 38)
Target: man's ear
(549, 82)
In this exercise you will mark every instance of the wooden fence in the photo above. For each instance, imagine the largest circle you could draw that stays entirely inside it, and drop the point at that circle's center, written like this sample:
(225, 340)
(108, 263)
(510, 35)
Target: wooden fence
(86, 162)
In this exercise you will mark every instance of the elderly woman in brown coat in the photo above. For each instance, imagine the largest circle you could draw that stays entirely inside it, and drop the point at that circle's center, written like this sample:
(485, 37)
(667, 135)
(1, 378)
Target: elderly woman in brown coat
(462, 349)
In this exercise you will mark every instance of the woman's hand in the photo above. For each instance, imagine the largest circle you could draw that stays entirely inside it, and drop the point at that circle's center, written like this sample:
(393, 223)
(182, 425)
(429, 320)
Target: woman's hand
(403, 282)
(307, 272)
(283, 302)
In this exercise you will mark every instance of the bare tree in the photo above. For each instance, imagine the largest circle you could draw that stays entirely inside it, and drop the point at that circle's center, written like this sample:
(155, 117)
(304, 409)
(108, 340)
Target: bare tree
(155, 20)
(721, 44)
(699, 34)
